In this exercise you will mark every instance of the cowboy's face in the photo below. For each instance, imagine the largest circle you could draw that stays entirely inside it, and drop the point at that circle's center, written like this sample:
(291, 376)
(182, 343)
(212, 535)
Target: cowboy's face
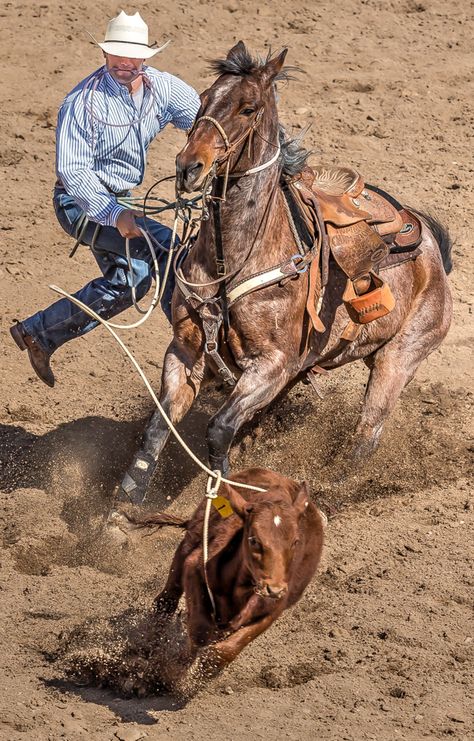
(124, 70)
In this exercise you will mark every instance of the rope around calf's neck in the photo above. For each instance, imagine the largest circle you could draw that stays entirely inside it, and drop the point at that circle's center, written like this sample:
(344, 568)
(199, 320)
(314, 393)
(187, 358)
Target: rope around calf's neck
(211, 493)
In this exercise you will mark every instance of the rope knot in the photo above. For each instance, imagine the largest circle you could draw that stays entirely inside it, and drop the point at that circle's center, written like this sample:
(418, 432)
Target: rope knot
(212, 489)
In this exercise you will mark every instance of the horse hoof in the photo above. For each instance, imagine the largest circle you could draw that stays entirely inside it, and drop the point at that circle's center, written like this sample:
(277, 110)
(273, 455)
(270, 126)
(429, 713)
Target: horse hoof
(134, 486)
(219, 464)
(362, 451)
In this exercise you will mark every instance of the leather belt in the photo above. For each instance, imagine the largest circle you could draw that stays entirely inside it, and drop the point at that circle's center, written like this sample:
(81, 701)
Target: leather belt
(118, 194)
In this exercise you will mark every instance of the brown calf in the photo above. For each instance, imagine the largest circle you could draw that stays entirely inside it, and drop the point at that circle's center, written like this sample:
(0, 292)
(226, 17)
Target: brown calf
(261, 559)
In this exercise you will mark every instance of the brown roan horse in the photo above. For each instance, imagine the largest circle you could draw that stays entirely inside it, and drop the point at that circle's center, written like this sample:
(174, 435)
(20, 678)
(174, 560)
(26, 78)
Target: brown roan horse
(266, 341)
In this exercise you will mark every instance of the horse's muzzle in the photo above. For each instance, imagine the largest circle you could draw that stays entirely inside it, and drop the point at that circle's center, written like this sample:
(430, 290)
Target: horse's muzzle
(188, 175)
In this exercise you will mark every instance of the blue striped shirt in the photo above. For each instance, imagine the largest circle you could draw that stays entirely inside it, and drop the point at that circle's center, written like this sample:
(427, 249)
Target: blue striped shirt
(95, 159)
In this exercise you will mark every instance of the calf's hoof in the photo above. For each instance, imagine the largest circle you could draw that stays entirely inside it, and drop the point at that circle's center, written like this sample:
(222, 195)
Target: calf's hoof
(165, 606)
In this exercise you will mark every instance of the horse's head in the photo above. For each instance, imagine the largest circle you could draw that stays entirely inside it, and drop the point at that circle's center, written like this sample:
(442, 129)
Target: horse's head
(236, 107)
(271, 534)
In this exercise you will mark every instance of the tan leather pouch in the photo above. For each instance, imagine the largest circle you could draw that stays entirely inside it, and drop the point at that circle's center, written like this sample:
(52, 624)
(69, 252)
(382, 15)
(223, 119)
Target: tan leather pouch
(377, 302)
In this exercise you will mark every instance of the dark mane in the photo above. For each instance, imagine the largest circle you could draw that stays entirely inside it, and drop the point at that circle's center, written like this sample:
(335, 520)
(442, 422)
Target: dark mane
(241, 63)
(293, 155)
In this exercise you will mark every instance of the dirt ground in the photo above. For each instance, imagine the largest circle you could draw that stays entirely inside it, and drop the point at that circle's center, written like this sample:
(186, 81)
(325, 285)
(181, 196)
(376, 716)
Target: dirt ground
(381, 644)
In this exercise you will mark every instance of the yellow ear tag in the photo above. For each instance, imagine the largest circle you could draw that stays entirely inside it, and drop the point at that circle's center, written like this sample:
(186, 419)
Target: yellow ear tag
(223, 506)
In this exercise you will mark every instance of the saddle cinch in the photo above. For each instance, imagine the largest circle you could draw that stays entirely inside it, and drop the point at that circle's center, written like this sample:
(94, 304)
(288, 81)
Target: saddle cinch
(365, 231)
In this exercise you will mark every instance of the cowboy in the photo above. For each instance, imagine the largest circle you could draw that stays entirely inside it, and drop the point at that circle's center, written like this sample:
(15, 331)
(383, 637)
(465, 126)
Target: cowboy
(105, 126)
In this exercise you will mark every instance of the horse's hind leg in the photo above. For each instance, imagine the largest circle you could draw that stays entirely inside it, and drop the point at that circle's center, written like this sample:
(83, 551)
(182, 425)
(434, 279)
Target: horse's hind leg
(183, 371)
(256, 388)
(393, 367)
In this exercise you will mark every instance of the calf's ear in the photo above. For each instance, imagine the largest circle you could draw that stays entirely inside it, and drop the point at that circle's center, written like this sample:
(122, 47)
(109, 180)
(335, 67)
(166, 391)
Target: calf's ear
(301, 501)
(240, 505)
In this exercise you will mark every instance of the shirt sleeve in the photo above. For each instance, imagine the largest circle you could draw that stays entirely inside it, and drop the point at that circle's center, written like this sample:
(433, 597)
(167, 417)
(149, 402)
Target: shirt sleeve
(75, 165)
(183, 104)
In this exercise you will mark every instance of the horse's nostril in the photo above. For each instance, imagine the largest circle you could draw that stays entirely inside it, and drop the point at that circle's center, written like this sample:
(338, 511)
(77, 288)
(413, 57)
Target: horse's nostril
(187, 175)
(194, 169)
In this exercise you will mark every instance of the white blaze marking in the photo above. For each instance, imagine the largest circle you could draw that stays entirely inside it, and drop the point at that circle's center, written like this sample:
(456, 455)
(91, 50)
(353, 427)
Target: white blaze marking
(277, 520)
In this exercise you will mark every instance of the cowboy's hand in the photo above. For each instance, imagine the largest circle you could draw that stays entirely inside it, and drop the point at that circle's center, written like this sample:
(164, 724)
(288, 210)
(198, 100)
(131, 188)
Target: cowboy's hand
(127, 225)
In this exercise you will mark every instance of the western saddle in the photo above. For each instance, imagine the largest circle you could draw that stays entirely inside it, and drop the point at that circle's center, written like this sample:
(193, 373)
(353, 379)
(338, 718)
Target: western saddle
(363, 229)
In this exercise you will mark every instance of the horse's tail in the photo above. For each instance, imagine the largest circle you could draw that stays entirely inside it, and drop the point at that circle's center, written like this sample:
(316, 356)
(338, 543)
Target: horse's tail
(442, 237)
(158, 519)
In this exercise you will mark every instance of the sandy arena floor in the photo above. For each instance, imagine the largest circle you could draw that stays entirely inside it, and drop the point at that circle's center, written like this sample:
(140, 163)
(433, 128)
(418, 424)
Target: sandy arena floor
(381, 645)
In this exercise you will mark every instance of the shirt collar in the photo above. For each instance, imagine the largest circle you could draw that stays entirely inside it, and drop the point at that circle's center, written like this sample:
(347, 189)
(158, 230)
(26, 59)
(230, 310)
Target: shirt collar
(114, 87)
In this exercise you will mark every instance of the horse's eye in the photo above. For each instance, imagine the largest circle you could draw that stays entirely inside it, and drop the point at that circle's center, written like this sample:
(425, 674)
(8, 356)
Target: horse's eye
(295, 543)
(247, 111)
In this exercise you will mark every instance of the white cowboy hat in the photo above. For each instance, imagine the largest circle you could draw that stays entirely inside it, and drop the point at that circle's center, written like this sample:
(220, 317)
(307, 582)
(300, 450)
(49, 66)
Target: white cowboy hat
(127, 36)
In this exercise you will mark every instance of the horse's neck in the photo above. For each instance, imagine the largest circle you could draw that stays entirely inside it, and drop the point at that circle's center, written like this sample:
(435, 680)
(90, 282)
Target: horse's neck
(245, 214)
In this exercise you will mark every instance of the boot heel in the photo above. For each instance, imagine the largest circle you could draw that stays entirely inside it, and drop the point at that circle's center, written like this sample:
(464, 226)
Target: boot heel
(17, 336)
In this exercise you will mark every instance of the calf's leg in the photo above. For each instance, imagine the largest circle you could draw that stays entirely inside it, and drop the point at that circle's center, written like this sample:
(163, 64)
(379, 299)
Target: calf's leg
(167, 600)
(201, 626)
(215, 658)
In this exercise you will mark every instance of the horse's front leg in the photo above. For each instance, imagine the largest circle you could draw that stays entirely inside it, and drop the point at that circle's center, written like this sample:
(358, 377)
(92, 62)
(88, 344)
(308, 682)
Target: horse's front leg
(256, 388)
(183, 371)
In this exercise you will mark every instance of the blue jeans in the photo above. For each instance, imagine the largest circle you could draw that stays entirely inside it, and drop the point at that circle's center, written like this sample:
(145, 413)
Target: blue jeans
(109, 295)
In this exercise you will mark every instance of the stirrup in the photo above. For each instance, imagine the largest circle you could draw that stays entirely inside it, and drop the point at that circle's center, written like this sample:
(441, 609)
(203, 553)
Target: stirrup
(378, 301)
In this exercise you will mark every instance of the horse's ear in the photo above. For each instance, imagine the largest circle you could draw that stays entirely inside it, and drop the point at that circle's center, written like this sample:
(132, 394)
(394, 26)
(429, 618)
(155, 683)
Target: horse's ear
(274, 66)
(239, 48)
(240, 505)
(302, 498)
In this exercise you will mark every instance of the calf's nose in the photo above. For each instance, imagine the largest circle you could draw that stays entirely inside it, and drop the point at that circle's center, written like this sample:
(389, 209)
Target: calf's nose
(276, 592)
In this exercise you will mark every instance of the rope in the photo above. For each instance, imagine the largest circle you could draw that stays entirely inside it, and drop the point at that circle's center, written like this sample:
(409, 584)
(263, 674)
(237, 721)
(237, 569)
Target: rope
(157, 294)
(91, 87)
(211, 493)
(147, 384)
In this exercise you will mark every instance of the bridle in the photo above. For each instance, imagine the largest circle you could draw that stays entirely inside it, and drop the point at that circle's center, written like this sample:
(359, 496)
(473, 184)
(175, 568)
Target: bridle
(230, 148)
(211, 315)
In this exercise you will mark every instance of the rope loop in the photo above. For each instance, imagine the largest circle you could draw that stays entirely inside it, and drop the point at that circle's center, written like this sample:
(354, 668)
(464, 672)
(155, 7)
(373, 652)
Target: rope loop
(213, 489)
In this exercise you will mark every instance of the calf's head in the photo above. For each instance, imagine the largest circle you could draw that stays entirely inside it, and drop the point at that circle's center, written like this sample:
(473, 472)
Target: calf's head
(271, 535)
